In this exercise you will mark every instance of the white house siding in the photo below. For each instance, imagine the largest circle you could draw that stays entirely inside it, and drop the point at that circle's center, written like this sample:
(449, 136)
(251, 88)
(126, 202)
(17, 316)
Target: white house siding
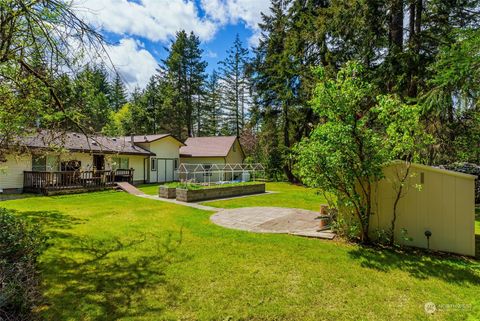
(86, 159)
(134, 161)
(166, 152)
(11, 172)
(137, 163)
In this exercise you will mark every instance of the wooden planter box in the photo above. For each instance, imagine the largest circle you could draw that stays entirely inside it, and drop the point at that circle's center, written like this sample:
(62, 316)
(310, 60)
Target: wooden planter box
(167, 192)
(185, 195)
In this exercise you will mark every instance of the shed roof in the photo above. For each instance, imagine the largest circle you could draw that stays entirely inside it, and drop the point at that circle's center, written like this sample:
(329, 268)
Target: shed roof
(83, 143)
(213, 146)
(435, 169)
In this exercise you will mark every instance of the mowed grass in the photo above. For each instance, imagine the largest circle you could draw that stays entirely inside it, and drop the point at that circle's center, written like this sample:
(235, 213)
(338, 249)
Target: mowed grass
(114, 256)
(150, 189)
(284, 195)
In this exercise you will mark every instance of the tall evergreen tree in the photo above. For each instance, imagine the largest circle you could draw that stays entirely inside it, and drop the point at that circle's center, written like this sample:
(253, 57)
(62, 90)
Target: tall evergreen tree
(235, 84)
(185, 70)
(90, 94)
(118, 93)
(275, 74)
(212, 106)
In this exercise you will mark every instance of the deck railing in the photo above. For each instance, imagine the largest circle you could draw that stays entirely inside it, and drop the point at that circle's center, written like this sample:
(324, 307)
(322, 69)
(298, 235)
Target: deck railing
(44, 182)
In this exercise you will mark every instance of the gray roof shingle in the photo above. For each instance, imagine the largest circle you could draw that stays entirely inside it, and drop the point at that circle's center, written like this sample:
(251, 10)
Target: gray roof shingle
(83, 143)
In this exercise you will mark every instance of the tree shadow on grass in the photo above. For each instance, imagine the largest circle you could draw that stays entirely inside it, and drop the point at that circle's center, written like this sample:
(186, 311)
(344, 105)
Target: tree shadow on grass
(54, 224)
(107, 279)
(419, 264)
(52, 219)
(100, 278)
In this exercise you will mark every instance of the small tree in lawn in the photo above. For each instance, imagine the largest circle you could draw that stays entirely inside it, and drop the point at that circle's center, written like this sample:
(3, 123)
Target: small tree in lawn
(406, 140)
(344, 155)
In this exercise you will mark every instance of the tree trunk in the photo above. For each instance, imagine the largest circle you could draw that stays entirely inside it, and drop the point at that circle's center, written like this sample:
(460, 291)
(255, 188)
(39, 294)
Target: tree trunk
(286, 141)
(396, 26)
(395, 41)
(415, 25)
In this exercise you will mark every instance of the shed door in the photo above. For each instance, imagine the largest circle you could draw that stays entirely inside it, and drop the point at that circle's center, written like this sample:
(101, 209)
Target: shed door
(169, 170)
(161, 170)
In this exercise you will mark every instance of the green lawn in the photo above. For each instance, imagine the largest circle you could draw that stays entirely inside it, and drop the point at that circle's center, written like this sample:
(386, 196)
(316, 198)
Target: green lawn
(150, 189)
(114, 256)
(285, 195)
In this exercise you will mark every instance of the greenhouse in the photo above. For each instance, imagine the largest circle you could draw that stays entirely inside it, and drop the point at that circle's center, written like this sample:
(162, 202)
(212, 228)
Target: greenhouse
(220, 173)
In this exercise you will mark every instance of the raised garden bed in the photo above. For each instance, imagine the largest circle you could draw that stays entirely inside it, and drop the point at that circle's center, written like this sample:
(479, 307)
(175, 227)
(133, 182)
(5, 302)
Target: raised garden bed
(165, 191)
(214, 192)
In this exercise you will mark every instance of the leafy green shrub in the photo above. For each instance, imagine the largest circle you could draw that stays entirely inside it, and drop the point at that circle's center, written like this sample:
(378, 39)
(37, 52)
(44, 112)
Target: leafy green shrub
(20, 246)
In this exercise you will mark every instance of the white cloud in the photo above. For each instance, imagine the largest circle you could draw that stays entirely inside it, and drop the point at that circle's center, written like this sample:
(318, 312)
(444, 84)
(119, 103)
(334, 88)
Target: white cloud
(159, 20)
(233, 11)
(134, 63)
(211, 54)
(156, 20)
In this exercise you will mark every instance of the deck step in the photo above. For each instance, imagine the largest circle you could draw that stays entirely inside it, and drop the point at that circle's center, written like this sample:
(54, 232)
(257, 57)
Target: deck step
(129, 188)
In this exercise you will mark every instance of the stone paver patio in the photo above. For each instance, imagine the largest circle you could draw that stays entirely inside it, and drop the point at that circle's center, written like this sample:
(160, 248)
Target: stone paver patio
(261, 219)
(272, 220)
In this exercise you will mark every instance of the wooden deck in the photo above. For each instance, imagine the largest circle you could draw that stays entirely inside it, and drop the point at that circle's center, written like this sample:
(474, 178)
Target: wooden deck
(57, 182)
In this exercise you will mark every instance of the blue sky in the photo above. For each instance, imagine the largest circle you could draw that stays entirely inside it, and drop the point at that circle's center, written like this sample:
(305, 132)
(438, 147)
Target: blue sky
(138, 30)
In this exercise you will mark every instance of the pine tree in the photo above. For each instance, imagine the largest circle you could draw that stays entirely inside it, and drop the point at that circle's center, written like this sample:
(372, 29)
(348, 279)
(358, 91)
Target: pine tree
(276, 78)
(185, 71)
(195, 80)
(235, 85)
(212, 106)
(118, 93)
(89, 94)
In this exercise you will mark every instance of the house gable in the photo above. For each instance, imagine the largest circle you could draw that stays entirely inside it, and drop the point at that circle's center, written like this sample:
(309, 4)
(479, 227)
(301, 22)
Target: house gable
(235, 154)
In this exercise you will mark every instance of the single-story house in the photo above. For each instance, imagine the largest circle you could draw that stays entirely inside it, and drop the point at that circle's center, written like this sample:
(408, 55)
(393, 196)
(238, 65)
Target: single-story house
(71, 160)
(436, 209)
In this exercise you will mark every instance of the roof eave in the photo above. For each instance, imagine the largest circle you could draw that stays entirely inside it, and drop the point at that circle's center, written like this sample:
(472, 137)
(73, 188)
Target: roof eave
(78, 150)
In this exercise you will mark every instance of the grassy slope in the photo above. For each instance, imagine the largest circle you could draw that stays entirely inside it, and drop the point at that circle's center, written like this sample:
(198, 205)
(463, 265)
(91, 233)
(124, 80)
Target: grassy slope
(117, 256)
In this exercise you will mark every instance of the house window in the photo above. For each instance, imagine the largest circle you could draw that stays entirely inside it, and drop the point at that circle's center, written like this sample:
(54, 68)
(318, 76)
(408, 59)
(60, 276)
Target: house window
(153, 164)
(45, 163)
(71, 166)
(120, 163)
(176, 164)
